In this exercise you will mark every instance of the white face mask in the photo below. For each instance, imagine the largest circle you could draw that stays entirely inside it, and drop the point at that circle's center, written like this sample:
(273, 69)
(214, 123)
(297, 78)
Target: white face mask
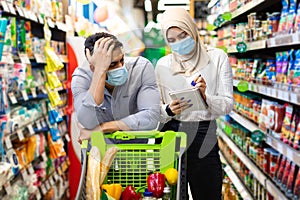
(184, 46)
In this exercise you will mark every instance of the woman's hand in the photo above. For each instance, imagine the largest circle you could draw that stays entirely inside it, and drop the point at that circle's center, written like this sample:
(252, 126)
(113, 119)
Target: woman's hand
(177, 105)
(102, 54)
(201, 85)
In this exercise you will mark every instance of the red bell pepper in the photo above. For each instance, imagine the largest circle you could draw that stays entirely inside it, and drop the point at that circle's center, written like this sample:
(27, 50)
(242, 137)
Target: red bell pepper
(130, 194)
(156, 184)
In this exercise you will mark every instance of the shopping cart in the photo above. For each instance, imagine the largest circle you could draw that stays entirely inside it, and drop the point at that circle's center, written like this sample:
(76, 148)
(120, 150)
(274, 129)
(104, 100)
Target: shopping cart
(139, 154)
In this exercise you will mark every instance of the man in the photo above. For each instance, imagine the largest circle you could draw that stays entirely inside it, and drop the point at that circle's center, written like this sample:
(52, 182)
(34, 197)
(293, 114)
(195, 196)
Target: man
(115, 92)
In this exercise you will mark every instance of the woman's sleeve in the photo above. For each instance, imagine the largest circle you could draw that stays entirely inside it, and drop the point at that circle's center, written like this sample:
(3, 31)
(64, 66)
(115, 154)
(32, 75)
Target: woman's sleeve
(164, 117)
(222, 102)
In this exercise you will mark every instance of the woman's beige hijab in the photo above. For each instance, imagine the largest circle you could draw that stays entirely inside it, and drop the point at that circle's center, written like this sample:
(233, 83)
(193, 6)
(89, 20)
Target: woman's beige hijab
(198, 58)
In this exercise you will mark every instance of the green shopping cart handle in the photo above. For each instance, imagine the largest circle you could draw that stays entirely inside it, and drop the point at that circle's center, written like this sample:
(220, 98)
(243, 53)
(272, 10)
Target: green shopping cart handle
(130, 135)
(84, 144)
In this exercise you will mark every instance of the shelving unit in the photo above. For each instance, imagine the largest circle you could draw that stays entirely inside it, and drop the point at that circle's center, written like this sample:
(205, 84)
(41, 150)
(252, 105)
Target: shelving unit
(277, 144)
(240, 11)
(35, 95)
(261, 177)
(256, 45)
(276, 93)
(235, 179)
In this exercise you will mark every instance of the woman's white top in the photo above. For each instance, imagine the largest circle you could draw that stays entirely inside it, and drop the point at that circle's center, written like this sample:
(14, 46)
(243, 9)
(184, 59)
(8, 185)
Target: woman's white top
(218, 77)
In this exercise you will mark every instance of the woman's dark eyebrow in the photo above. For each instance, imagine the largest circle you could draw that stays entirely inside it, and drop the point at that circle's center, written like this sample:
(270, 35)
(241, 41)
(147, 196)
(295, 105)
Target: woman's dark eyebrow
(181, 34)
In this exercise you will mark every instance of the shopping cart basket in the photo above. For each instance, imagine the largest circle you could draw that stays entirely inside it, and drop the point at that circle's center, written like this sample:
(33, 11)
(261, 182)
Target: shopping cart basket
(139, 154)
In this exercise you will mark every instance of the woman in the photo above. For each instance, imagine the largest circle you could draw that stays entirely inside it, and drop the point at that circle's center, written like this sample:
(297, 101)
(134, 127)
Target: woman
(210, 71)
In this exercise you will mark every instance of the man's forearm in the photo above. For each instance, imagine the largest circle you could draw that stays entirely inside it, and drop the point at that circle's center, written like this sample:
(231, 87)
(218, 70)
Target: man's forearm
(98, 85)
(112, 126)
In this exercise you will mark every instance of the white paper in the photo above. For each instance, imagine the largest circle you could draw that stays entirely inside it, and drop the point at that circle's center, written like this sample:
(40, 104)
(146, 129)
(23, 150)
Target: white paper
(38, 125)
(8, 142)
(20, 134)
(5, 6)
(20, 11)
(67, 137)
(11, 8)
(24, 58)
(33, 92)
(44, 156)
(31, 171)
(7, 187)
(12, 98)
(294, 98)
(25, 95)
(31, 130)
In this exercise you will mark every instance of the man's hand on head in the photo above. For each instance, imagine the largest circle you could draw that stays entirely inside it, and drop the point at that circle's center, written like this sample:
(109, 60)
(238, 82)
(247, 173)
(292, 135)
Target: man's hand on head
(101, 56)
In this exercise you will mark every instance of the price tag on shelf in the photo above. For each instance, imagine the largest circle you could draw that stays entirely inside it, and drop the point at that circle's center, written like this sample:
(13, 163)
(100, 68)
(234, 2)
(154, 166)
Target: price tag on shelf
(24, 174)
(33, 16)
(8, 187)
(24, 58)
(38, 195)
(41, 20)
(11, 8)
(43, 123)
(50, 23)
(9, 58)
(279, 147)
(294, 97)
(51, 181)
(44, 156)
(279, 94)
(26, 14)
(39, 58)
(285, 96)
(20, 11)
(274, 93)
(24, 95)
(30, 168)
(33, 92)
(20, 134)
(43, 188)
(43, 89)
(12, 98)
(67, 137)
(5, 6)
(8, 142)
(290, 154)
(48, 186)
(38, 125)
(268, 91)
(31, 130)
(56, 177)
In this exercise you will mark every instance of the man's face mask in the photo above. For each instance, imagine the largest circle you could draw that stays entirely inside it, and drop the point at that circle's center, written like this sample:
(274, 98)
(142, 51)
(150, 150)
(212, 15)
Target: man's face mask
(184, 46)
(116, 77)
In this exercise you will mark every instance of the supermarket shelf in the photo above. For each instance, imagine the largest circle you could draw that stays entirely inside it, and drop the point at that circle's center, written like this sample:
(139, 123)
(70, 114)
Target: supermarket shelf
(284, 40)
(212, 3)
(244, 121)
(284, 149)
(235, 179)
(247, 7)
(261, 177)
(281, 147)
(284, 95)
(256, 45)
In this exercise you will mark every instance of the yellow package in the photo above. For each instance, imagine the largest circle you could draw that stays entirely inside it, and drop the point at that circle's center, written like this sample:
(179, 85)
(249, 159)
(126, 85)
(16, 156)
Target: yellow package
(53, 80)
(21, 154)
(31, 148)
(53, 60)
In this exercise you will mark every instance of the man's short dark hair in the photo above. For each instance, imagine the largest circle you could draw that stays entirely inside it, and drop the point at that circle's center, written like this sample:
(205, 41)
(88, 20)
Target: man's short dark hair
(90, 41)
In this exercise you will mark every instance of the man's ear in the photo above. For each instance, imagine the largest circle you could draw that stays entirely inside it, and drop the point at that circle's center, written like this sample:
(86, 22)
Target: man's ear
(92, 68)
